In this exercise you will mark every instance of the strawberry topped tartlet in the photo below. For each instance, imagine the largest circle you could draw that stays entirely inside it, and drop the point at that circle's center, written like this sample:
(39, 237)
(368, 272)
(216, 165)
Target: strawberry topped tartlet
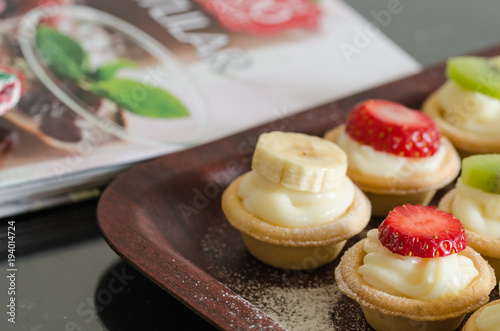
(395, 154)
(415, 272)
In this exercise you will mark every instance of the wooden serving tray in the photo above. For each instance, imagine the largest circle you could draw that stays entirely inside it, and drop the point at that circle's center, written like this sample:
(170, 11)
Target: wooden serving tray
(164, 218)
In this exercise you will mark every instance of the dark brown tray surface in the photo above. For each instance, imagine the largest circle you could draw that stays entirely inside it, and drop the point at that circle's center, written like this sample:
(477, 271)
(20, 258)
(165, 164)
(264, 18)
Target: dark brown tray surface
(164, 218)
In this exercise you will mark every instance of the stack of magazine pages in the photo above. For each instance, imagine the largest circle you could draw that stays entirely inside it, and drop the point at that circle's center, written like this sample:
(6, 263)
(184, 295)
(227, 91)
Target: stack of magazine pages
(107, 84)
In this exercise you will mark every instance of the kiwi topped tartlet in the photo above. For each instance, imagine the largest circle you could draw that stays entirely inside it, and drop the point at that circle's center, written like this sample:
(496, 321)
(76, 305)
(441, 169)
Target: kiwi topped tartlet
(467, 106)
(476, 203)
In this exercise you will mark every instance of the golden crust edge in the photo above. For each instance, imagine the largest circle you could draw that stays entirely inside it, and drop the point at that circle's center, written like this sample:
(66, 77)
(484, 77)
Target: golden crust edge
(406, 185)
(351, 223)
(468, 300)
(470, 325)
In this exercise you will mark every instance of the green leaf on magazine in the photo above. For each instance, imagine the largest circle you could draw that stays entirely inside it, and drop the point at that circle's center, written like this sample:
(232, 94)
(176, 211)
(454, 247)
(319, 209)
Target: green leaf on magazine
(141, 99)
(63, 54)
(107, 71)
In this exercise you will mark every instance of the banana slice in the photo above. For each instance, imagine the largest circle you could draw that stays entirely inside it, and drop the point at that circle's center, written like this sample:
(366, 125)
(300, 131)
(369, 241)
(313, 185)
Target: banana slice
(299, 162)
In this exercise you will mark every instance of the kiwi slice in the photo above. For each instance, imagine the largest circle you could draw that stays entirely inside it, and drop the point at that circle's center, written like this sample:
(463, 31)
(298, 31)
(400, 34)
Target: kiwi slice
(476, 73)
(482, 172)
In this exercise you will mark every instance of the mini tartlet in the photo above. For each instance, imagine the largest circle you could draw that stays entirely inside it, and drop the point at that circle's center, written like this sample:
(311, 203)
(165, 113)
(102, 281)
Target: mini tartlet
(467, 106)
(487, 318)
(395, 154)
(476, 202)
(296, 208)
(391, 273)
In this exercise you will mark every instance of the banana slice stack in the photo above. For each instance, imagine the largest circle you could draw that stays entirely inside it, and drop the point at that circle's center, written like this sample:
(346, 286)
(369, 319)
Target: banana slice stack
(300, 162)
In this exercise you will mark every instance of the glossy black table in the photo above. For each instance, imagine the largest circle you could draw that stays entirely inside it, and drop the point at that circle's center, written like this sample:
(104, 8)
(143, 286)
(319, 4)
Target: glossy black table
(68, 278)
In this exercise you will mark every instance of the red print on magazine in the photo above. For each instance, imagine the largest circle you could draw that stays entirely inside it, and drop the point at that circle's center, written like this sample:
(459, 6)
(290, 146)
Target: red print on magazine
(263, 17)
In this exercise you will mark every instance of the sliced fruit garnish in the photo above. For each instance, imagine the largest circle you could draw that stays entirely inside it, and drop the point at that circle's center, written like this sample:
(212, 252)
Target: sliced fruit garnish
(476, 73)
(18, 73)
(299, 161)
(422, 231)
(10, 91)
(482, 172)
(393, 128)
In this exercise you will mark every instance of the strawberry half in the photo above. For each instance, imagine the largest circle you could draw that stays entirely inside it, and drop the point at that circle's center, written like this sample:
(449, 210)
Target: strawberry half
(393, 128)
(422, 231)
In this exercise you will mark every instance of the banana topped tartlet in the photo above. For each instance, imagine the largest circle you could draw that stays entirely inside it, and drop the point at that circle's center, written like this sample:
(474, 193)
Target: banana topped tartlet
(395, 154)
(415, 272)
(475, 201)
(487, 318)
(467, 106)
(296, 208)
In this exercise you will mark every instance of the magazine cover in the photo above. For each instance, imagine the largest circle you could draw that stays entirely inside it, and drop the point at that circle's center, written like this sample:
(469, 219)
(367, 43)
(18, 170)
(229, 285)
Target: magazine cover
(102, 84)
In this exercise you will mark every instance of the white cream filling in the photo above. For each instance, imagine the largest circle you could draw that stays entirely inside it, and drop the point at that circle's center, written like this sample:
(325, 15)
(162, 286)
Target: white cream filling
(478, 211)
(367, 160)
(469, 110)
(414, 277)
(489, 320)
(281, 206)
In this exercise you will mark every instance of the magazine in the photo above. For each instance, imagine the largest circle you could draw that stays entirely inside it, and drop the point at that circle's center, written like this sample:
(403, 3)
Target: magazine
(105, 84)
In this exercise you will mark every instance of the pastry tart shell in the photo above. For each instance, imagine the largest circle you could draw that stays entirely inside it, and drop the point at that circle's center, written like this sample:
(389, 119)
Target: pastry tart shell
(389, 312)
(471, 322)
(294, 247)
(385, 193)
(467, 143)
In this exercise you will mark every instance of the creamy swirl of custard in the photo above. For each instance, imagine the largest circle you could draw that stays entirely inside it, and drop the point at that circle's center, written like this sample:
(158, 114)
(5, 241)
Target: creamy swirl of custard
(367, 160)
(281, 206)
(489, 320)
(478, 211)
(414, 277)
(471, 111)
